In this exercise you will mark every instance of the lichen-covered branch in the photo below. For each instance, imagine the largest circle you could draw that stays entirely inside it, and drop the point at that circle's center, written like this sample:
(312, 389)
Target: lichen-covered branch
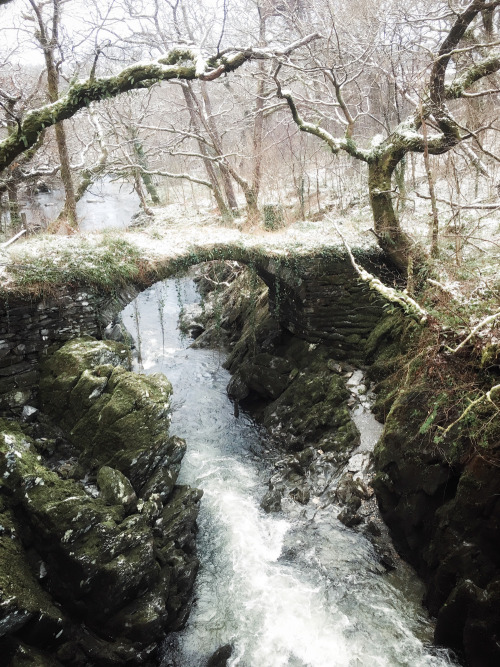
(346, 143)
(487, 396)
(478, 71)
(478, 327)
(179, 63)
(161, 172)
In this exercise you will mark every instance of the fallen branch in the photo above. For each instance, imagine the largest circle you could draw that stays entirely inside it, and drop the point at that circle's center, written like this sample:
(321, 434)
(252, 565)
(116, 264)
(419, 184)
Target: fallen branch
(444, 289)
(472, 404)
(409, 305)
(14, 238)
(484, 207)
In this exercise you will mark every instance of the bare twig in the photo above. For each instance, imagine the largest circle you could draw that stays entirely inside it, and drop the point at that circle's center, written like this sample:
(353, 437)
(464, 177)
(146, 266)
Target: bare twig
(478, 327)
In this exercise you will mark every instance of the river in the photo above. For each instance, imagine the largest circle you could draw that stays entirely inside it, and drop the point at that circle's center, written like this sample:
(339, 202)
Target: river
(108, 204)
(293, 589)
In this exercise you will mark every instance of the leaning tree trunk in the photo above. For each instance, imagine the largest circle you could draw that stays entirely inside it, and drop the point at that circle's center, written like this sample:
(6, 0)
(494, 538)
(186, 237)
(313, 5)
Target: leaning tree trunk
(217, 141)
(15, 215)
(398, 246)
(142, 161)
(49, 43)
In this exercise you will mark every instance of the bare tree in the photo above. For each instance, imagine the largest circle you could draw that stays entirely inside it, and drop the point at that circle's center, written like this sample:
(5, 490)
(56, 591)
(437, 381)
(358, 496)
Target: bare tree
(432, 104)
(47, 35)
(181, 63)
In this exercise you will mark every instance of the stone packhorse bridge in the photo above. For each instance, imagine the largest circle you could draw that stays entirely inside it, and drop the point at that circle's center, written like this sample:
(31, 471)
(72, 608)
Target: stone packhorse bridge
(314, 291)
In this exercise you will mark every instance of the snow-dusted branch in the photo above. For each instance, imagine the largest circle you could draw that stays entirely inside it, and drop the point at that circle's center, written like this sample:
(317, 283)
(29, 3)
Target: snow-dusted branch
(487, 396)
(346, 143)
(162, 172)
(478, 207)
(409, 305)
(180, 63)
(478, 327)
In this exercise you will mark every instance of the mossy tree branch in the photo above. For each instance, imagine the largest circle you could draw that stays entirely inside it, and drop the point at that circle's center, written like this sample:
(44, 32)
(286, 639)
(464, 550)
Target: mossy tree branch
(384, 155)
(180, 63)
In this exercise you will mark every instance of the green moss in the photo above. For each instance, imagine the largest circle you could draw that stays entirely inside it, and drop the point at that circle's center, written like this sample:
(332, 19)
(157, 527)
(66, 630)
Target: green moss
(104, 265)
(21, 595)
(68, 369)
(114, 417)
(490, 356)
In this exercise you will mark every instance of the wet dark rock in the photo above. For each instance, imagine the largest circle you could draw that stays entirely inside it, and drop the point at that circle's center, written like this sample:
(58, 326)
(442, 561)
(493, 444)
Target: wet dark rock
(373, 528)
(237, 389)
(116, 489)
(314, 409)
(444, 520)
(221, 656)
(349, 517)
(29, 413)
(271, 502)
(350, 490)
(192, 320)
(264, 374)
(301, 494)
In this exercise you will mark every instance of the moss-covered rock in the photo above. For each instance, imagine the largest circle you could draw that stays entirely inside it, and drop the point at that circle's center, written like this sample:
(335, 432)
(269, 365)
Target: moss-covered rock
(62, 370)
(122, 567)
(313, 410)
(264, 374)
(443, 511)
(116, 489)
(116, 418)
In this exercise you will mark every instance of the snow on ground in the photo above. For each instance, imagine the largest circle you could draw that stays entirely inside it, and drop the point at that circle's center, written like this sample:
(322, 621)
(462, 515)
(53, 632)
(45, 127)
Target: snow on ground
(175, 232)
(470, 242)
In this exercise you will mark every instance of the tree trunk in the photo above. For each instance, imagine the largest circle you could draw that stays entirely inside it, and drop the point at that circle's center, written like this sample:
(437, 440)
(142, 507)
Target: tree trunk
(216, 139)
(432, 193)
(49, 44)
(209, 167)
(252, 204)
(69, 210)
(15, 216)
(140, 193)
(141, 159)
(392, 239)
(258, 127)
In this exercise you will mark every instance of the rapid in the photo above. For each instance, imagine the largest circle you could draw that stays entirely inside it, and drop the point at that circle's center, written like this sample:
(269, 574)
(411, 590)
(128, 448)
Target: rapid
(295, 588)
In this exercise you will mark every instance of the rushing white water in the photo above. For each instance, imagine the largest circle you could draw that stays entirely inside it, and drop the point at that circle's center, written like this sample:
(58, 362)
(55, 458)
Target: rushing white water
(291, 589)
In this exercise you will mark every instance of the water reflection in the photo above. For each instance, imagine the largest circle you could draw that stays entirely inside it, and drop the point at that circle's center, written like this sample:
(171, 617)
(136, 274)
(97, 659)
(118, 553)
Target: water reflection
(108, 204)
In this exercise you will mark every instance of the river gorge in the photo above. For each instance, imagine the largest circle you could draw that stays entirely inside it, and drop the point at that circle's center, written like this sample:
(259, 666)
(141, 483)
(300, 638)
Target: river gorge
(294, 564)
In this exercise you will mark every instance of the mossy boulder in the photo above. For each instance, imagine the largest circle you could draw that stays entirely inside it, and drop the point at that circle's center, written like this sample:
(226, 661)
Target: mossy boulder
(315, 411)
(116, 418)
(116, 489)
(62, 370)
(444, 514)
(264, 374)
(127, 577)
(120, 557)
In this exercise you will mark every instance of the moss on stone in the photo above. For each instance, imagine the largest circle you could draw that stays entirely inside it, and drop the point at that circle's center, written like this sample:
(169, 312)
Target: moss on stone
(114, 417)
(115, 488)
(21, 596)
(62, 370)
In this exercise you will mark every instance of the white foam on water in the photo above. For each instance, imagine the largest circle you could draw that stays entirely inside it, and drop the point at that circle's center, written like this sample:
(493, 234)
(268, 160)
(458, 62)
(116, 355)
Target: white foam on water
(283, 590)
